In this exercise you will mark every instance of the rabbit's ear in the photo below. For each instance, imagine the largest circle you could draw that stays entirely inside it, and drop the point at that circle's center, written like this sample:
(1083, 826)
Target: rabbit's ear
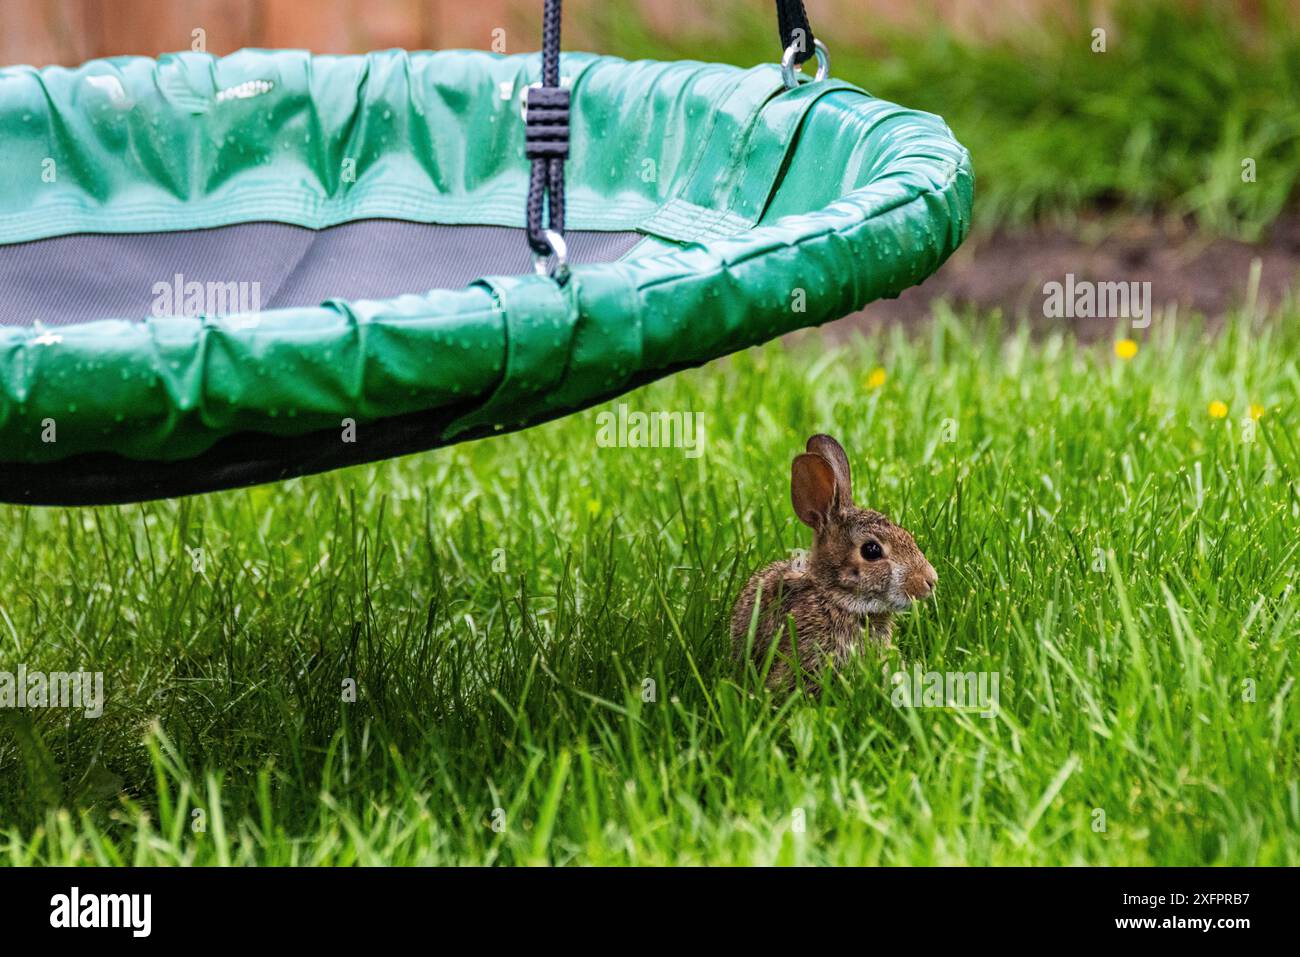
(833, 452)
(812, 490)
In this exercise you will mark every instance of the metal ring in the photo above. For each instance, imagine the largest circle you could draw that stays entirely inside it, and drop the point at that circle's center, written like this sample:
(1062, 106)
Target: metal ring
(560, 250)
(791, 75)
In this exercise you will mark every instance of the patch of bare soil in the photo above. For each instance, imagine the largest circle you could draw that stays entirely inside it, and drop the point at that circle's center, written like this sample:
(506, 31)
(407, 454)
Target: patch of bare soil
(1009, 271)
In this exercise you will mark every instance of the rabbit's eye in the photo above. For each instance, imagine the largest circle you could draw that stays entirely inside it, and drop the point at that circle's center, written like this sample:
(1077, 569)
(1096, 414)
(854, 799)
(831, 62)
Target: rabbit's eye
(872, 552)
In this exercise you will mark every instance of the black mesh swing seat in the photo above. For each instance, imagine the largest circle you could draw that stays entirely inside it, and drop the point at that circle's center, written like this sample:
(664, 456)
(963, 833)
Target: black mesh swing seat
(207, 265)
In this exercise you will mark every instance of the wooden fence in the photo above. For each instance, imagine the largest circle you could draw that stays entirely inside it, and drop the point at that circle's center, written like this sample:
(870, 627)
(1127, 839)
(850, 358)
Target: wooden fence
(70, 31)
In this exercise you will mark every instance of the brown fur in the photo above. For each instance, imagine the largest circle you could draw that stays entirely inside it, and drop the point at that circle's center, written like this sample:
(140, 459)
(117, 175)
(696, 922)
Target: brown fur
(836, 598)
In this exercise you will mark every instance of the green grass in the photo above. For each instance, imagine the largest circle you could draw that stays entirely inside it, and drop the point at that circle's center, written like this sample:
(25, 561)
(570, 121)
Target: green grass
(501, 606)
(1159, 123)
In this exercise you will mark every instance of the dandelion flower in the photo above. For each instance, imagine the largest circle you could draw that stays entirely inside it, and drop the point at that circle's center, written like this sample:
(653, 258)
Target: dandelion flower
(1256, 411)
(1218, 410)
(1126, 349)
(876, 379)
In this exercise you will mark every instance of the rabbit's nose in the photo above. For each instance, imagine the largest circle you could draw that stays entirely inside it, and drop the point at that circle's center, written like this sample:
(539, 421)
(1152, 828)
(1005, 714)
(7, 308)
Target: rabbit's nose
(920, 584)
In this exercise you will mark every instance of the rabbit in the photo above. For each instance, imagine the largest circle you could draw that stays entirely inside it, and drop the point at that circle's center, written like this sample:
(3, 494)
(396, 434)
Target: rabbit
(862, 569)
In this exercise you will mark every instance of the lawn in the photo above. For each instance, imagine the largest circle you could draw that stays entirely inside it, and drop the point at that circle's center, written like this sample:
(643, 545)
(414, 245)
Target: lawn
(536, 629)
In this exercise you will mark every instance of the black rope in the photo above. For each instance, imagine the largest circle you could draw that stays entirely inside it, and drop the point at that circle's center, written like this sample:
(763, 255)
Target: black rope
(546, 137)
(792, 20)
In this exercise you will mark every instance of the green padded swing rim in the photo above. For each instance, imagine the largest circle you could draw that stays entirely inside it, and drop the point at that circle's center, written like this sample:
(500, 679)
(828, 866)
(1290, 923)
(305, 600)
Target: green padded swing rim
(795, 207)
